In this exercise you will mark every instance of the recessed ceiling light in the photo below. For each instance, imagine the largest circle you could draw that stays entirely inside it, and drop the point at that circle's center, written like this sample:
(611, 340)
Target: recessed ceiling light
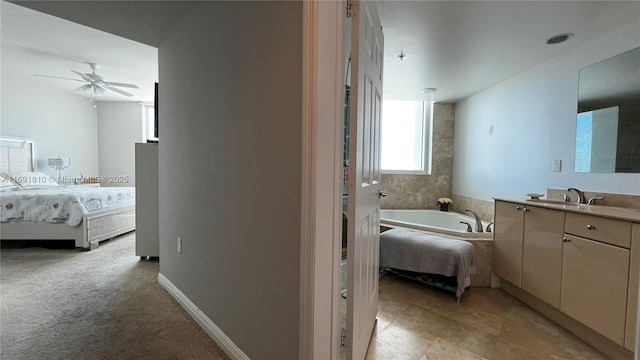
(428, 90)
(557, 39)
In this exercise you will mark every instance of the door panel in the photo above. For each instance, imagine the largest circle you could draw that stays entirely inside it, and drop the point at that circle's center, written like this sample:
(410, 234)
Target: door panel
(364, 179)
(632, 296)
(594, 285)
(507, 242)
(542, 254)
(366, 133)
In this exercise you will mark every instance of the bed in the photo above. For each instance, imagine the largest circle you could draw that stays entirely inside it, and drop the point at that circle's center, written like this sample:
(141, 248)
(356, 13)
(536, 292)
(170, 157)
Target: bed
(428, 258)
(33, 206)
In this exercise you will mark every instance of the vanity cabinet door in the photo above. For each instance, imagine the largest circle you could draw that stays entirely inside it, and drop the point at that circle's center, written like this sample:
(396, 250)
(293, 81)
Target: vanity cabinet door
(632, 297)
(594, 285)
(507, 241)
(542, 253)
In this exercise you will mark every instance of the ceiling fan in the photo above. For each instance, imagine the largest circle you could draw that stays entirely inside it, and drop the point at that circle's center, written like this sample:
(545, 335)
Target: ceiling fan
(96, 85)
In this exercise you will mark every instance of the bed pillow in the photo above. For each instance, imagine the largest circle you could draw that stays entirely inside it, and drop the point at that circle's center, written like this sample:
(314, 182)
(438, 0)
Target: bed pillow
(31, 180)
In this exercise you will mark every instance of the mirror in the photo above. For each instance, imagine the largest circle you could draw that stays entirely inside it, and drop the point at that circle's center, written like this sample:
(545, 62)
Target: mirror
(608, 121)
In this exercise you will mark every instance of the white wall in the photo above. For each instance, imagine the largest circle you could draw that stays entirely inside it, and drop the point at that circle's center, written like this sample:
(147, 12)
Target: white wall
(120, 126)
(230, 169)
(61, 123)
(508, 135)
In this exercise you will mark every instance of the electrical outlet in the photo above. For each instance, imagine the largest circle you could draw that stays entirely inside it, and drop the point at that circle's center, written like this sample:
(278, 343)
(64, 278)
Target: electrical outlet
(179, 242)
(557, 166)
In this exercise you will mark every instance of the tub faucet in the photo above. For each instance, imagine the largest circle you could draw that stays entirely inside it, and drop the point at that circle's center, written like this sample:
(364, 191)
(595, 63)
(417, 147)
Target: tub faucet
(581, 198)
(489, 227)
(469, 228)
(478, 221)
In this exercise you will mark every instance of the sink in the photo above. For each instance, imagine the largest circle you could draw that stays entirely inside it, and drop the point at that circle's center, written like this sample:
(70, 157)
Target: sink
(553, 201)
(581, 206)
(566, 204)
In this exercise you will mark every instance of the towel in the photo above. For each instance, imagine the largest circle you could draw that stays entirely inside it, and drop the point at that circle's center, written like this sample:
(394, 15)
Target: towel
(426, 253)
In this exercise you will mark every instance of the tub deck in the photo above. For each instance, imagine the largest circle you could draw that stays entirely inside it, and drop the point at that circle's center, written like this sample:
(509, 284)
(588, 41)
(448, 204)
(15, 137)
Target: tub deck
(441, 222)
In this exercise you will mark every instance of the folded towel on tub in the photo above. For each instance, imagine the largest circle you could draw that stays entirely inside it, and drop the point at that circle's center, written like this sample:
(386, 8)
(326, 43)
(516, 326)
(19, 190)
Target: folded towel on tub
(426, 253)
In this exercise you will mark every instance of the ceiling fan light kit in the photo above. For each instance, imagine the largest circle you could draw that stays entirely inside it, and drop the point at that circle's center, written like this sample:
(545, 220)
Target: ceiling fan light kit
(96, 85)
(92, 91)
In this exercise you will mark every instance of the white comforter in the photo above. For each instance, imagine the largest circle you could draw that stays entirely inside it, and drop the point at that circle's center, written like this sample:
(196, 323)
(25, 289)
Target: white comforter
(61, 204)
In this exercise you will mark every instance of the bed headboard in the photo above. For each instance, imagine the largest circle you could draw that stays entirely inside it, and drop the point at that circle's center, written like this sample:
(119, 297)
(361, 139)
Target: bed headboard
(17, 154)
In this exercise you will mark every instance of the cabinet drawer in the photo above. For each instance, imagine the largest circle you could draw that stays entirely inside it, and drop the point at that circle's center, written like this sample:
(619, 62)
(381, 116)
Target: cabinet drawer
(610, 231)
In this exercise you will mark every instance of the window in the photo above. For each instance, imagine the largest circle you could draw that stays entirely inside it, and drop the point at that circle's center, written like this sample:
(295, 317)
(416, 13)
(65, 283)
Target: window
(406, 137)
(149, 122)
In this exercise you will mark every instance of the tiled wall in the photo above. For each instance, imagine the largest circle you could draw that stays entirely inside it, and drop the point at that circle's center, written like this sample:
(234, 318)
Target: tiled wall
(483, 253)
(484, 208)
(423, 191)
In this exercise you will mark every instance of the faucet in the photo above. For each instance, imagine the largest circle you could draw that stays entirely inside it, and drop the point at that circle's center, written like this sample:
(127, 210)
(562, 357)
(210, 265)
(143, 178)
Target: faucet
(592, 201)
(469, 228)
(581, 198)
(489, 227)
(478, 221)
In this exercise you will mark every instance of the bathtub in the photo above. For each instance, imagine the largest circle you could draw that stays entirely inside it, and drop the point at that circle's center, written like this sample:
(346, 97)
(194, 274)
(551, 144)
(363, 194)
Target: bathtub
(447, 223)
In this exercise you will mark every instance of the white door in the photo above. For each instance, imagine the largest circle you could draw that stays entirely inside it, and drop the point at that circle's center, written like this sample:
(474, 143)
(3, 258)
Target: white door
(364, 177)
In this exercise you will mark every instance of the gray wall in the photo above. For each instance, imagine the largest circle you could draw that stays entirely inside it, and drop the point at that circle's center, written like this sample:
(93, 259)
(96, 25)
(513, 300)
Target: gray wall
(508, 135)
(230, 169)
(61, 123)
(120, 126)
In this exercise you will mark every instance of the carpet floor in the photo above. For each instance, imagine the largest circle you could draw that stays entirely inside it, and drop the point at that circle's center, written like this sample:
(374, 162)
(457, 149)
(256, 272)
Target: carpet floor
(101, 304)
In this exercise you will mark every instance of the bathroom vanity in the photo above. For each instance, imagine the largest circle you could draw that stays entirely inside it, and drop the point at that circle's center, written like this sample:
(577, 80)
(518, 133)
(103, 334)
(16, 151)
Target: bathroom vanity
(577, 264)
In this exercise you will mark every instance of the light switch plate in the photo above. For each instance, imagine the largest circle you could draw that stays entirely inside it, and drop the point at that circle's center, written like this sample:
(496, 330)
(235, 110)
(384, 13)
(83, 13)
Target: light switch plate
(557, 166)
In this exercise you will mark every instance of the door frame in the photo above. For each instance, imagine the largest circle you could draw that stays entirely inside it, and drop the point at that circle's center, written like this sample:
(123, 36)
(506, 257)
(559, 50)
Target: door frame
(321, 178)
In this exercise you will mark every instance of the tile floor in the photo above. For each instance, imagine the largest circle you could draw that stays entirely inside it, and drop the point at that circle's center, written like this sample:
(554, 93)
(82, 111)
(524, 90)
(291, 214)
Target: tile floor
(420, 322)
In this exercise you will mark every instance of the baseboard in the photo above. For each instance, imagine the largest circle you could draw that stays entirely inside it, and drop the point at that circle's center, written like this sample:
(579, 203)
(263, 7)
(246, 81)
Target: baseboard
(205, 323)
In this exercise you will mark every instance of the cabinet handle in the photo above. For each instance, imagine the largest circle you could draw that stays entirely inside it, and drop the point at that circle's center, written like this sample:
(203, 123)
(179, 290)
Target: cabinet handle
(518, 208)
(565, 240)
(525, 209)
(591, 227)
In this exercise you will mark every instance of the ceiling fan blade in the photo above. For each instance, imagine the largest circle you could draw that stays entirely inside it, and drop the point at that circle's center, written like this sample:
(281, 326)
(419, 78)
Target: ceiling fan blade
(84, 76)
(123, 85)
(119, 91)
(58, 77)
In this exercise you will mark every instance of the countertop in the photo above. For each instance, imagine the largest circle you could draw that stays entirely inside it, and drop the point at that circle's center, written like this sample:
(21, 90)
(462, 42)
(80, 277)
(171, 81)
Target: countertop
(611, 212)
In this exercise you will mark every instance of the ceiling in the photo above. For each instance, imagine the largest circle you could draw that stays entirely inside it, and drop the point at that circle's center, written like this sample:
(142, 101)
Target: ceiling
(36, 43)
(462, 47)
(458, 47)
